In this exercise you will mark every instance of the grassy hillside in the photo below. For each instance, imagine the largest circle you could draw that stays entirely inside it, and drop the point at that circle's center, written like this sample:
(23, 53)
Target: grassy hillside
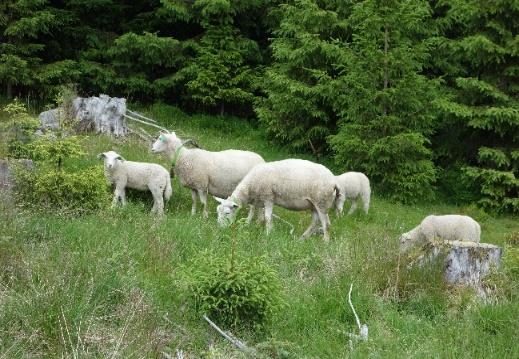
(108, 285)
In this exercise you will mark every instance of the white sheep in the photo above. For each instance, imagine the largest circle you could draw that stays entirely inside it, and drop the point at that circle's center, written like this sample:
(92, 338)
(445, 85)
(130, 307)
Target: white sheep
(293, 184)
(449, 228)
(353, 186)
(216, 173)
(137, 175)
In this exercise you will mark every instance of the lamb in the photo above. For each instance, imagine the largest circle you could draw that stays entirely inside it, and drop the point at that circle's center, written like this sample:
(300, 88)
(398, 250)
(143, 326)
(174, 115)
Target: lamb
(353, 186)
(137, 175)
(216, 173)
(293, 184)
(449, 227)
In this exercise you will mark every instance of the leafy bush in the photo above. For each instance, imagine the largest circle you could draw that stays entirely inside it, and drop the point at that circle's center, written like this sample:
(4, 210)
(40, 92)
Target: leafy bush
(80, 191)
(17, 129)
(246, 292)
(54, 149)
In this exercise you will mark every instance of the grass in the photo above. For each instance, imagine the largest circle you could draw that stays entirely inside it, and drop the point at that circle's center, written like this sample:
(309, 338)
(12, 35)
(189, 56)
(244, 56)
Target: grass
(107, 285)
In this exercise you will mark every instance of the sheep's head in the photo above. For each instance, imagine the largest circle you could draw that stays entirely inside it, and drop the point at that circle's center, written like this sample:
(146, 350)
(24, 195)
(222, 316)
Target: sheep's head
(111, 159)
(226, 210)
(406, 240)
(161, 143)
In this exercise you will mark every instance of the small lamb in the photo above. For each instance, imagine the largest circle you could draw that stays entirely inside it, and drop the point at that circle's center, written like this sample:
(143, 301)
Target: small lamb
(137, 175)
(352, 186)
(216, 173)
(293, 184)
(449, 228)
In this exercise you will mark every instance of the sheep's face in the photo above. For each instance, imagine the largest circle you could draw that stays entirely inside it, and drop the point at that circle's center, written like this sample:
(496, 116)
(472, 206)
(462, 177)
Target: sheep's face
(405, 241)
(226, 211)
(111, 159)
(161, 143)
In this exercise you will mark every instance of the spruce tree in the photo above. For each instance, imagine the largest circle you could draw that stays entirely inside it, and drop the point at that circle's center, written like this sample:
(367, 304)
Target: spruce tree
(479, 59)
(221, 72)
(300, 86)
(21, 23)
(386, 106)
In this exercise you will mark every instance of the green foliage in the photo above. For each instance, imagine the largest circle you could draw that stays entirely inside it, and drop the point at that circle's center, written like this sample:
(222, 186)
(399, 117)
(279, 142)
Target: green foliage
(50, 185)
(69, 192)
(387, 112)
(456, 186)
(301, 85)
(24, 26)
(328, 77)
(139, 60)
(54, 149)
(17, 129)
(482, 74)
(221, 73)
(243, 292)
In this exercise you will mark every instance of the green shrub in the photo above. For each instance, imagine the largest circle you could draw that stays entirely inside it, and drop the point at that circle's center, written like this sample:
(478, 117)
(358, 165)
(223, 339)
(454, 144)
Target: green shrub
(247, 293)
(16, 129)
(80, 191)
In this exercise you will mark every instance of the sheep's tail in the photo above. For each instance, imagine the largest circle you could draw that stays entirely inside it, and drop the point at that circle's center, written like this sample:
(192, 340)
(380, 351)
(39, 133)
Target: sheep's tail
(169, 190)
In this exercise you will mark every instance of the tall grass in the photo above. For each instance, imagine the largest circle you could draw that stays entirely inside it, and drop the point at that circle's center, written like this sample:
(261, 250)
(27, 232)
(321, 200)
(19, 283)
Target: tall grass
(107, 284)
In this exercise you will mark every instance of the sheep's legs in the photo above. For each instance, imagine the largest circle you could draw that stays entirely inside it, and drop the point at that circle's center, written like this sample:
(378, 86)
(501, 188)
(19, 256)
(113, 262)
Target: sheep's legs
(251, 214)
(325, 222)
(365, 202)
(353, 206)
(261, 215)
(269, 206)
(193, 205)
(203, 200)
(116, 198)
(158, 202)
(340, 204)
(119, 194)
(311, 227)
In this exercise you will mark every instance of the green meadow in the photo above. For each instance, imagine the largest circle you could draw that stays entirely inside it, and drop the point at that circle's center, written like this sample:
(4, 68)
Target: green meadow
(108, 284)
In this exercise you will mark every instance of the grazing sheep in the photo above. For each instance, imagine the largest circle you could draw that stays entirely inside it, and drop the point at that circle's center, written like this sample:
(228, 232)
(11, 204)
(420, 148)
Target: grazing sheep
(449, 227)
(293, 184)
(137, 175)
(353, 186)
(216, 173)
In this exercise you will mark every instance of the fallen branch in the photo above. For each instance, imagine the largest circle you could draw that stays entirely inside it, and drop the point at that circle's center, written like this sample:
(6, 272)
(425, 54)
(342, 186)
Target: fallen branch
(141, 116)
(238, 343)
(145, 122)
(139, 134)
(363, 328)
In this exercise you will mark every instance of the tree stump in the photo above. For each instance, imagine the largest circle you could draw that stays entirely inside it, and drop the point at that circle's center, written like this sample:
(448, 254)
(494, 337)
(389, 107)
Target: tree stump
(465, 263)
(103, 114)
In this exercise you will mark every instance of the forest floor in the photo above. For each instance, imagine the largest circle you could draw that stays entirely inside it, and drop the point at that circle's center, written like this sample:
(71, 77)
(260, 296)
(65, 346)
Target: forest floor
(106, 284)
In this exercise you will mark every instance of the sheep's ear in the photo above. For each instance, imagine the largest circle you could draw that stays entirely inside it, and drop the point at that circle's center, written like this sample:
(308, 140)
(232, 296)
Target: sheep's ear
(221, 200)
(101, 156)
